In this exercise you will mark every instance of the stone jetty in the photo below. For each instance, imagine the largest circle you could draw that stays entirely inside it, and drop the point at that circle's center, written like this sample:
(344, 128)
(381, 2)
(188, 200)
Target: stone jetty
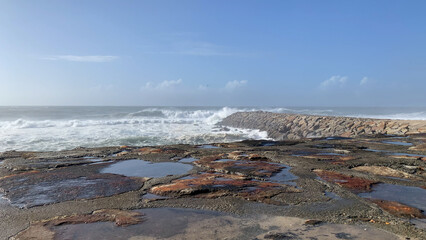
(282, 126)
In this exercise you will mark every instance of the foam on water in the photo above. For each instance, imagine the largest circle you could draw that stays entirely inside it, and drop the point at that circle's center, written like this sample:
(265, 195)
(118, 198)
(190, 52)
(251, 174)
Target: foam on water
(58, 128)
(109, 127)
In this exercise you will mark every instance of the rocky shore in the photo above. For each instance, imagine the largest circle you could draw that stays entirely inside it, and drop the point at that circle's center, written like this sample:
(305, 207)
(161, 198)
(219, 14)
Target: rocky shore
(281, 126)
(371, 187)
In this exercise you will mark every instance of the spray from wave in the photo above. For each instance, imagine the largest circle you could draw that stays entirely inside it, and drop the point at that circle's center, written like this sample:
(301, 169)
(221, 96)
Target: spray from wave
(58, 128)
(149, 126)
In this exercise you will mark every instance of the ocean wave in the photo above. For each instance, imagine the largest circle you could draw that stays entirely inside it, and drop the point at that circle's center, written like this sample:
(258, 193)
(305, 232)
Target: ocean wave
(141, 126)
(148, 116)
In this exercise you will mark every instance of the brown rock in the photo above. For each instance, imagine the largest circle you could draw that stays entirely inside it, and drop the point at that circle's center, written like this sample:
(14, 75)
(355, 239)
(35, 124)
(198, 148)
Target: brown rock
(398, 209)
(236, 155)
(407, 157)
(43, 230)
(248, 168)
(313, 222)
(35, 232)
(421, 147)
(353, 183)
(213, 185)
(385, 171)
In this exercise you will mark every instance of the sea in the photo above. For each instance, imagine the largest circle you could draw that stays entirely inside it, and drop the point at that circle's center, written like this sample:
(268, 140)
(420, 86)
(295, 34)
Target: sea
(52, 128)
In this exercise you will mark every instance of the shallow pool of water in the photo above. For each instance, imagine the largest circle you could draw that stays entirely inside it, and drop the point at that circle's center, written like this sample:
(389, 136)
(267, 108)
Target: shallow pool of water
(153, 196)
(374, 150)
(225, 160)
(169, 223)
(141, 168)
(3, 200)
(420, 223)
(332, 195)
(268, 144)
(407, 154)
(398, 143)
(208, 146)
(187, 160)
(337, 138)
(330, 154)
(284, 176)
(411, 196)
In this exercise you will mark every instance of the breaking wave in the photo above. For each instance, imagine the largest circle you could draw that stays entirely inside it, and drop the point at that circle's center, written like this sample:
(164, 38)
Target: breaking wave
(58, 128)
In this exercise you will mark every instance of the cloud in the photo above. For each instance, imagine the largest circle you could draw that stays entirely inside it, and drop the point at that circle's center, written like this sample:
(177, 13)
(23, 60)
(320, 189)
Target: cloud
(364, 80)
(235, 84)
(171, 83)
(75, 58)
(203, 87)
(334, 80)
(163, 85)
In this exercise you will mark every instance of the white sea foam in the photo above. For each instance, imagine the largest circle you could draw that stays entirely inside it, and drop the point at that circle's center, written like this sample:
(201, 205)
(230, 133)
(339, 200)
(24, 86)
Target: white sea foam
(57, 128)
(150, 126)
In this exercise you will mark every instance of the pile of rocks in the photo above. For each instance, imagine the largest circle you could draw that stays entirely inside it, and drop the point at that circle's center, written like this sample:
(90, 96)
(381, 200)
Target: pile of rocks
(282, 126)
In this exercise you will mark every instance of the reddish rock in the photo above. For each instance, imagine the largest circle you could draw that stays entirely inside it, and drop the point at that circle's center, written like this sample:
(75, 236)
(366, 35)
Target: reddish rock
(353, 183)
(45, 229)
(312, 222)
(248, 168)
(398, 209)
(120, 217)
(407, 157)
(213, 185)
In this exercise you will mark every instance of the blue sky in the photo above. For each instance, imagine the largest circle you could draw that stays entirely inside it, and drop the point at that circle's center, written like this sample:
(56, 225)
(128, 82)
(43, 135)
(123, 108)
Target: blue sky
(235, 53)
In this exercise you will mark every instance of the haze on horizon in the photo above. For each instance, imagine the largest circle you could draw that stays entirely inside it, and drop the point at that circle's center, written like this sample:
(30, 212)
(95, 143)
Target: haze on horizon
(215, 53)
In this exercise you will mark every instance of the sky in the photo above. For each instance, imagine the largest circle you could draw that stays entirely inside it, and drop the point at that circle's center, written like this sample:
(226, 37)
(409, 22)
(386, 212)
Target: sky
(213, 53)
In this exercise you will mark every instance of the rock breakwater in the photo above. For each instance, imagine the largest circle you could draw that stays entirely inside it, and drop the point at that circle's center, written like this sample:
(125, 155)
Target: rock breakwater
(283, 126)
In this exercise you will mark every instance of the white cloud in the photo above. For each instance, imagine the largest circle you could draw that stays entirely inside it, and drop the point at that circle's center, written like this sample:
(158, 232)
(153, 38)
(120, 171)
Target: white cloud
(202, 87)
(163, 85)
(334, 80)
(75, 58)
(171, 83)
(364, 80)
(235, 84)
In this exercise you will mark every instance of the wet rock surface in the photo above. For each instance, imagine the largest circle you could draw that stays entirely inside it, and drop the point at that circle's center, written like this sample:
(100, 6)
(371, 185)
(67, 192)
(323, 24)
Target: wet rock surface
(213, 185)
(201, 224)
(326, 188)
(35, 188)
